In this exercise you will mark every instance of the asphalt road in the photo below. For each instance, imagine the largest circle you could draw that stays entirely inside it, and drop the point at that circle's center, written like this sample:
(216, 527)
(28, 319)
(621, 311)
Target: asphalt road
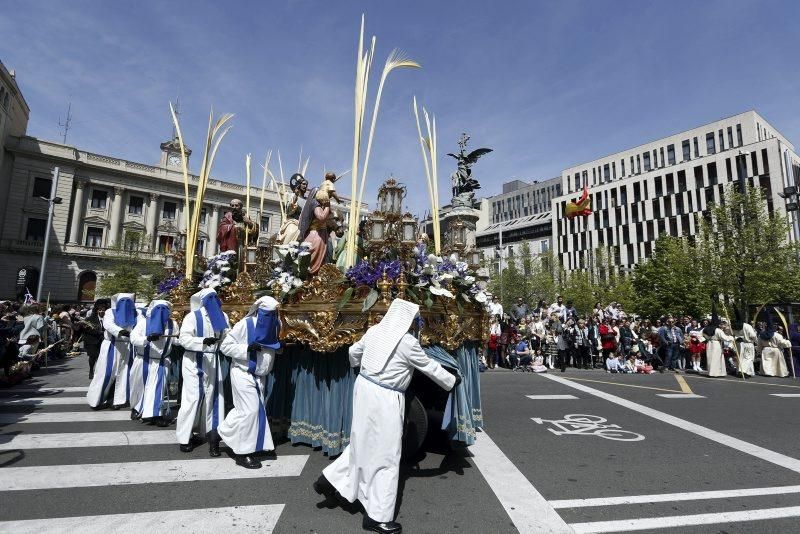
(718, 455)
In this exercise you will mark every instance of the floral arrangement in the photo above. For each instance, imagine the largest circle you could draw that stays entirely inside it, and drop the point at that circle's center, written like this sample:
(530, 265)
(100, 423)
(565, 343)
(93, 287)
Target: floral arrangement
(167, 285)
(218, 270)
(292, 267)
(445, 277)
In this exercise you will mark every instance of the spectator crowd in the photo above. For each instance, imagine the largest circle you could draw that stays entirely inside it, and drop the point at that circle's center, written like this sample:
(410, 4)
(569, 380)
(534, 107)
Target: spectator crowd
(556, 336)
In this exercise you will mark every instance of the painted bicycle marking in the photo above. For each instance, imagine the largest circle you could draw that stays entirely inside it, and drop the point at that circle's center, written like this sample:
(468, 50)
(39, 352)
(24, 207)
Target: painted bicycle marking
(588, 425)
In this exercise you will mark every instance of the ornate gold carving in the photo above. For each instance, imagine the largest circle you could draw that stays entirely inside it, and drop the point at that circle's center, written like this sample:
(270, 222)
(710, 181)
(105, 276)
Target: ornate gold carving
(385, 288)
(325, 287)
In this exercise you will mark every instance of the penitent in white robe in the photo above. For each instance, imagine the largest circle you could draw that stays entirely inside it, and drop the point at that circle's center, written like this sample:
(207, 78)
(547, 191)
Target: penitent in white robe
(368, 469)
(246, 429)
(714, 356)
(747, 350)
(113, 350)
(772, 361)
(202, 397)
(153, 369)
(136, 373)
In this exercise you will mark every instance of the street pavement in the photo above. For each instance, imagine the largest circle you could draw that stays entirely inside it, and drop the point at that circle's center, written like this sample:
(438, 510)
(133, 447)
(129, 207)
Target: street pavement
(581, 451)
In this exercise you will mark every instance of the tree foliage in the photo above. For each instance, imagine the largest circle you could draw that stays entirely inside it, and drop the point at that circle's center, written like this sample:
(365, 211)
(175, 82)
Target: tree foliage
(129, 268)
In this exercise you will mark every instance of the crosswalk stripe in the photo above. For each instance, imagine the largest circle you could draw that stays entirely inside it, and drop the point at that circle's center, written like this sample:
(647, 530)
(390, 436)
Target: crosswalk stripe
(87, 439)
(48, 401)
(680, 395)
(161, 471)
(551, 397)
(789, 395)
(652, 523)
(28, 391)
(64, 417)
(258, 518)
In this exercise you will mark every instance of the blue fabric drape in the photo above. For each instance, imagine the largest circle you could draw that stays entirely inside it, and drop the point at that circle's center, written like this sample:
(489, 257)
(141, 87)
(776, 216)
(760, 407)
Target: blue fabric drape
(213, 307)
(125, 313)
(158, 319)
(266, 329)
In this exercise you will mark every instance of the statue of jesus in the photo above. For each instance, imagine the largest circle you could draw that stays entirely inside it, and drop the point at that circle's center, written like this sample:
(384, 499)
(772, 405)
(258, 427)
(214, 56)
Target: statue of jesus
(231, 231)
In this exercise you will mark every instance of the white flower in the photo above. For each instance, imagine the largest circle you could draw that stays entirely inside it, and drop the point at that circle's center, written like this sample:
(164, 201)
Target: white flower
(440, 291)
(469, 280)
(481, 297)
(296, 282)
(286, 288)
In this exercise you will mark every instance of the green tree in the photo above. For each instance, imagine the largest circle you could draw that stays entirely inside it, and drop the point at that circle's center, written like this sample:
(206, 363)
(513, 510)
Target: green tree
(744, 252)
(130, 268)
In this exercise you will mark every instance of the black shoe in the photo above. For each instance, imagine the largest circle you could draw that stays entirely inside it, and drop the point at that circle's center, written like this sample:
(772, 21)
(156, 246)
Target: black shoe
(247, 461)
(189, 447)
(116, 407)
(161, 421)
(323, 487)
(213, 443)
(91, 376)
(135, 415)
(390, 527)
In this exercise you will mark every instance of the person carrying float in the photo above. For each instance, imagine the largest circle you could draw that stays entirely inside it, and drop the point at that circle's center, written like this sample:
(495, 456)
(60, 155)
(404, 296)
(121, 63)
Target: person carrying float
(202, 396)
(368, 469)
(118, 321)
(153, 340)
(251, 345)
(771, 344)
(137, 366)
(714, 336)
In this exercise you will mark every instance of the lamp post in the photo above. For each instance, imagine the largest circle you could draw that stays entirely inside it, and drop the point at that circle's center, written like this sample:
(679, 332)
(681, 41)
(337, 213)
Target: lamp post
(52, 201)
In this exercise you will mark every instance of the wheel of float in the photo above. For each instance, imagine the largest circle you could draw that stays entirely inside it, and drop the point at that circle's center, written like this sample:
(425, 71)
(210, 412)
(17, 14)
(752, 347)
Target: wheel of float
(415, 427)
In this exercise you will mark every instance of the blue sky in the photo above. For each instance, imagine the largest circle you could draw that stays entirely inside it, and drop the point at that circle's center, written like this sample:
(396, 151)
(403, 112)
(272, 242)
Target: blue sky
(546, 84)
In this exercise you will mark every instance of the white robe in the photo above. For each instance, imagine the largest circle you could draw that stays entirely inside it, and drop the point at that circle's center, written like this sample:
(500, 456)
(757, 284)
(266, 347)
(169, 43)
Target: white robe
(246, 429)
(153, 358)
(368, 468)
(202, 397)
(747, 350)
(714, 356)
(136, 372)
(772, 361)
(113, 350)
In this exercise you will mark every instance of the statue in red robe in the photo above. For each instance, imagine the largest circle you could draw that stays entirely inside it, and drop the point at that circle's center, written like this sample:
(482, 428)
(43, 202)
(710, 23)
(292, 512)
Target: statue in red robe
(231, 230)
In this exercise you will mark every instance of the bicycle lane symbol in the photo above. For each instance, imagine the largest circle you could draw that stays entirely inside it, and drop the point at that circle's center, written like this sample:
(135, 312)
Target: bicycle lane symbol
(588, 425)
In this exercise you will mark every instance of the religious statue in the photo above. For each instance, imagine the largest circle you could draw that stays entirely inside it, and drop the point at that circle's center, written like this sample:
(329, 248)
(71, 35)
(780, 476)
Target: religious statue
(290, 229)
(232, 229)
(316, 221)
(464, 185)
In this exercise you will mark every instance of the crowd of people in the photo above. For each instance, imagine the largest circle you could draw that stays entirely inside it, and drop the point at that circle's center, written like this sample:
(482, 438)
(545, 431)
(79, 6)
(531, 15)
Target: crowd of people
(556, 336)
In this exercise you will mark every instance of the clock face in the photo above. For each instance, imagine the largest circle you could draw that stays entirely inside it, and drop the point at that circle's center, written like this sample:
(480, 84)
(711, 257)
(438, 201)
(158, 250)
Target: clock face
(174, 160)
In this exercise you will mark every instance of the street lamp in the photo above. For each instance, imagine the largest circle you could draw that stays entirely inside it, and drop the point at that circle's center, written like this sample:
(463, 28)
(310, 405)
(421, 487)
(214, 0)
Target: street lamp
(52, 201)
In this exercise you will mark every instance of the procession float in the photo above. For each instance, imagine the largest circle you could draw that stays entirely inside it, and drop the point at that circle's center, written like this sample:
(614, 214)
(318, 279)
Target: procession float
(330, 296)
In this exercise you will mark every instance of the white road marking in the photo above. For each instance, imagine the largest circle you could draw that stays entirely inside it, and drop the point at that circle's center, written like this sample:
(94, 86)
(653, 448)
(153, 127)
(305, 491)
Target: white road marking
(261, 518)
(739, 445)
(680, 396)
(671, 497)
(29, 391)
(651, 523)
(527, 508)
(162, 471)
(87, 439)
(551, 397)
(785, 394)
(64, 417)
(50, 401)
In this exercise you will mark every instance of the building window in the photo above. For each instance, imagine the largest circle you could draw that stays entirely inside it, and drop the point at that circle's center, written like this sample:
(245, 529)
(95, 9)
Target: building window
(165, 243)
(169, 210)
(698, 176)
(132, 241)
(200, 247)
(669, 179)
(99, 199)
(614, 170)
(638, 164)
(606, 173)
(94, 237)
(659, 187)
(681, 181)
(637, 192)
(711, 147)
(721, 141)
(712, 173)
(36, 229)
(622, 166)
(646, 157)
(696, 148)
(265, 223)
(739, 134)
(203, 215)
(765, 161)
(671, 154)
(41, 187)
(661, 150)
(687, 151)
(730, 136)
(135, 205)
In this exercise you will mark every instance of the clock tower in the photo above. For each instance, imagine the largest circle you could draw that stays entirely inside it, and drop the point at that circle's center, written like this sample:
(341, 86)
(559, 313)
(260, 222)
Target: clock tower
(171, 154)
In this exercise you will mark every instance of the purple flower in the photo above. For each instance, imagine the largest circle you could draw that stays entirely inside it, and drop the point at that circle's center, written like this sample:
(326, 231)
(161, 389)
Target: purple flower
(169, 284)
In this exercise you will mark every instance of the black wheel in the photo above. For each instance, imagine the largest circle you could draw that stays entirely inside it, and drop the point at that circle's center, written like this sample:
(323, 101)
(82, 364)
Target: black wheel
(415, 428)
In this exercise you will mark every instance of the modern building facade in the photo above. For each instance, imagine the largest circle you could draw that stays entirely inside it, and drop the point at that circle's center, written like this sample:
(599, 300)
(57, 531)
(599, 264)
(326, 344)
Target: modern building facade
(658, 188)
(108, 204)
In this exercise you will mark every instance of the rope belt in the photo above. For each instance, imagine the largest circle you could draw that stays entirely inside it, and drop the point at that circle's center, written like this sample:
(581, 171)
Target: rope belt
(362, 375)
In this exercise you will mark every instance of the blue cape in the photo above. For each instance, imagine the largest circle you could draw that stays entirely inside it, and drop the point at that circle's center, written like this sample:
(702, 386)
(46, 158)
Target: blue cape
(213, 307)
(157, 320)
(266, 330)
(125, 313)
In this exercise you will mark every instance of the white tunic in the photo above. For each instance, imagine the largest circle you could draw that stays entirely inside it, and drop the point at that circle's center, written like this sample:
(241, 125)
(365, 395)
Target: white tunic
(246, 429)
(714, 356)
(136, 372)
(113, 350)
(368, 468)
(747, 351)
(772, 361)
(202, 397)
(153, 358)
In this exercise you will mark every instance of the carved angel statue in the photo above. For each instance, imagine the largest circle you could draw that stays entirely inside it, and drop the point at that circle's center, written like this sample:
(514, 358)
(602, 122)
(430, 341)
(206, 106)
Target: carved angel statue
(464, 185)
